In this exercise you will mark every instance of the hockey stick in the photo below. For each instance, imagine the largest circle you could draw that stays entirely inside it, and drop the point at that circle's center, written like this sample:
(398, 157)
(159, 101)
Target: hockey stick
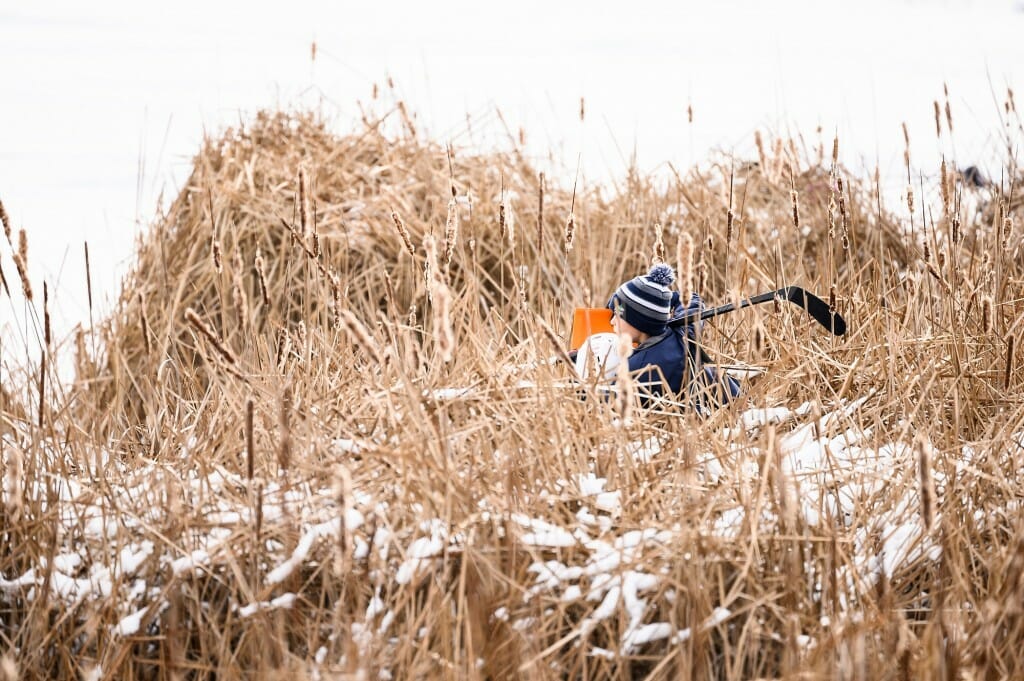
(815, 306)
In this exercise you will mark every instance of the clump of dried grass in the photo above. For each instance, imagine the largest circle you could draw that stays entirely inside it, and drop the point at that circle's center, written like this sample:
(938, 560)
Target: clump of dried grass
(329, 401)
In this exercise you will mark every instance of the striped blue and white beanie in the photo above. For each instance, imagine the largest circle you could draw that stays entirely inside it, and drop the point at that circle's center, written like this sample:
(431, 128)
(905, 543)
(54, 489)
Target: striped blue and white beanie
(645, 302)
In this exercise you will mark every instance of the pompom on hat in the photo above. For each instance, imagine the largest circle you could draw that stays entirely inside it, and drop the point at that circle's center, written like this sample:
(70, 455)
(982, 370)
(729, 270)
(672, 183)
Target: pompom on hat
(645, 302)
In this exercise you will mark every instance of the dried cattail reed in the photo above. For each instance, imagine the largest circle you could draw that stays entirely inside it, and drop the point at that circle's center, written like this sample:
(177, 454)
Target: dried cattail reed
(835, 152)
(336, 301)
(217, 263)
(302, 202)
(284, 449)
(443, 334)
(403, 232)
(986, 313)
(658, 252)
(944, 188)
(144, 323)
(21, 264)
(540, 212)
(795, 200)
(730, 217)
(284, 350)
(343, 494)
(910, 199)
(906, 149)
(316, 233)
(47, 337)
(430, 269)
(261, 274)
(1008, 377)
(250, 440)
(501, 219)
(5, 220)
(411, 319)
(360, 335)
(211, 335)
(926, 481)
(759, 337)
(949, 116)
(689, 113)
(451, 232)
(684, 264)
(582, 110)
(570, 231)
(938, 119)
(702, 276)
(1007, 231)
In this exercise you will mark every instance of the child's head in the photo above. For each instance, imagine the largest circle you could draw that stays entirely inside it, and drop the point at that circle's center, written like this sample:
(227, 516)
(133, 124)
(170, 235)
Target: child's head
(644, 303)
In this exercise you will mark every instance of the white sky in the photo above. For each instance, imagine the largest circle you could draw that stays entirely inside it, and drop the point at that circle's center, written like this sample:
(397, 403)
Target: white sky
(103, 103)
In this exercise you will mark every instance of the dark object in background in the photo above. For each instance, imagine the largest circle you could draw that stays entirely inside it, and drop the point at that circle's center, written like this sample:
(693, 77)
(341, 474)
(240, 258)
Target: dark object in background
(973, 177)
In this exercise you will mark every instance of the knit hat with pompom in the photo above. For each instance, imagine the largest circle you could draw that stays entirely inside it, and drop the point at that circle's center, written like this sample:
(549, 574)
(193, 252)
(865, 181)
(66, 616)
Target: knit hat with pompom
(645, 302)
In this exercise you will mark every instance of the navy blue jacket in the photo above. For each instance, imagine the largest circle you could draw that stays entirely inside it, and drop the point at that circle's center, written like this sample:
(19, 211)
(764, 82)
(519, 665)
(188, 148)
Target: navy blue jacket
(674, 361)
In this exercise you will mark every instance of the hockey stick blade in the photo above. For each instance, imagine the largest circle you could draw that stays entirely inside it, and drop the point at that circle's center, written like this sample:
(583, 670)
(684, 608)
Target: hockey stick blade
(817, 308)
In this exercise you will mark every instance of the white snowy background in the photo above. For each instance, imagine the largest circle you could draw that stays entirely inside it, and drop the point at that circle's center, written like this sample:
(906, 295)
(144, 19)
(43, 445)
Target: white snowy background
(104, 103)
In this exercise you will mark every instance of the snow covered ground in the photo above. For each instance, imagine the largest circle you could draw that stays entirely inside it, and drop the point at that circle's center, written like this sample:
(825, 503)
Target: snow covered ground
(112, 556)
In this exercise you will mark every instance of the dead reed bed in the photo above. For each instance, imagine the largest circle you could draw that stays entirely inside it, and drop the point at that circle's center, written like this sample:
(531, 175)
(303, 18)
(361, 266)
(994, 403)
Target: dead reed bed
(325, 433)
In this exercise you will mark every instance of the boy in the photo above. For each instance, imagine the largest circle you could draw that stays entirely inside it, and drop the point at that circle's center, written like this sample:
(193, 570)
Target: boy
(667, 359)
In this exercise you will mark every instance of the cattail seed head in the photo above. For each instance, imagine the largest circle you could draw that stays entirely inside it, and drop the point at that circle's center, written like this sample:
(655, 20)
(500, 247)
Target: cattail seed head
(403, 232)
(1007, 230)
(443, 334)
(211, 335)
(284, 450)
(570, 230)
(46, 315)
(217, 264)
(582, 110)
(949, 118)
(302, 201)
(986, 313)
(1008, 377)
(540, 212)
(926, 481)
(759, 337)
(658, 253)
(910, 199)
(144, 322)
(835, 152)
(451, 232)
(795, 199)
(702, 276)
(262, 276)
(938, 119)
(21, 264)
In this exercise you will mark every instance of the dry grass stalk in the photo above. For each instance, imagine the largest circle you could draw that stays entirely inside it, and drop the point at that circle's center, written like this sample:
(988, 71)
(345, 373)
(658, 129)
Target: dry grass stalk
(451, 232)
(404, 233)
(211, 336)
(238, 296)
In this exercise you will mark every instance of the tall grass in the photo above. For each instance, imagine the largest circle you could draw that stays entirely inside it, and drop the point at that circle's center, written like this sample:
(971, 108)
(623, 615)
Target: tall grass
(308, 443)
